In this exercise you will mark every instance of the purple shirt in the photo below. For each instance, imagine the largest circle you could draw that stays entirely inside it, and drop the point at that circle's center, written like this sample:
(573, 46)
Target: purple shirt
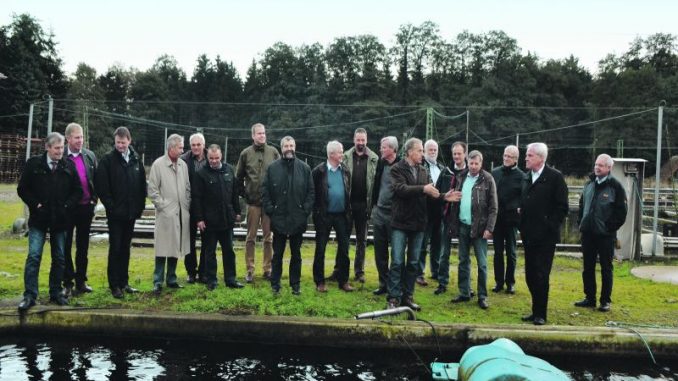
(82, 174)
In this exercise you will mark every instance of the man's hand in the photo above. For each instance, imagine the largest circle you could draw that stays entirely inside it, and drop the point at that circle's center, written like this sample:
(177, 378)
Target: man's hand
(453, 196)
(201, 225)
(431, 190)
(487, 234)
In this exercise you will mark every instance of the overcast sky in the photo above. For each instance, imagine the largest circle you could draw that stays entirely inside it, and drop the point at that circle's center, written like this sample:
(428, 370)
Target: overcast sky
(135, 33)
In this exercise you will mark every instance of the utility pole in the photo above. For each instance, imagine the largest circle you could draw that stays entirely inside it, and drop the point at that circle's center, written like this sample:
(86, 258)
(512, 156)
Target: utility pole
(660, 116)
(49, 115)
(620, 148)
(429, 124)
(518, 141)
(467, 124)
(30, 131)
(225, 148)
(85, 124)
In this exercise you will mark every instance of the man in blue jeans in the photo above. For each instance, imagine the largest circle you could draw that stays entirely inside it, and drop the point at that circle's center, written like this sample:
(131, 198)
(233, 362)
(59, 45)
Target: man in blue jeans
(411, 184)
(50, 186)
(474, 225)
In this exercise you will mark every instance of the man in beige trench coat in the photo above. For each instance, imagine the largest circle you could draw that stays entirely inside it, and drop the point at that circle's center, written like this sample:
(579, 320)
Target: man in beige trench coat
(170, 190)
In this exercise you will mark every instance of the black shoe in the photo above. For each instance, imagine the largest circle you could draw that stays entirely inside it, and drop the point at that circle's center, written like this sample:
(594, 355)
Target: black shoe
(174, 285)
(117, 293)
(296, 292)
(409, 302)
(440, 290)
(498, 288)
(482, 303)
(157, 289)
(26, 303)
(67, 291)
(585, 303)
(83, 288)
(249, 278)
(380, 291)
(421, 281)
(191, 279)
(472, 293)
(211, 286)
(130, 290)
(59, 300)
(529, 317)
(332, 278)
(360, 278)
(392, 303)
(511, 289)
(276, 291)
(201, 279)
(235, 284)
(539, 321)
(604, 307)
(460, 299)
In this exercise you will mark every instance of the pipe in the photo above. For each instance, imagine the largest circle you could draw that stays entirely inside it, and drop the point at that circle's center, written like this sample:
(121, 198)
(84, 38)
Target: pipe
(388, 312)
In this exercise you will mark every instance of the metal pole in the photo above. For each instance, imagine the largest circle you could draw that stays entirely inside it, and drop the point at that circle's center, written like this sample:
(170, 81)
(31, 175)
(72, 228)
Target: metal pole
(660, 115)
(467, 125)
(85, 125)
(30, 131)
(49, 115)
(164, 141)
(518, 141)
(225, 149)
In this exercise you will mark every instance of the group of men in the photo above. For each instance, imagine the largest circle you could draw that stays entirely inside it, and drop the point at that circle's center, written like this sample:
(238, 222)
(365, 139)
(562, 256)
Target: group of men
(416, 206)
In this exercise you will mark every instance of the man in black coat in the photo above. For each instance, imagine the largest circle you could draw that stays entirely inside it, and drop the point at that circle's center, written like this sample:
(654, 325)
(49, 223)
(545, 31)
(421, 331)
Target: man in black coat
(215, 207)
(50, 187)
(196, 159)
(543, 208)
(434, 210)
(602, 211)
(509, 179)
(121, 185)
(85, 164)
(287, 197)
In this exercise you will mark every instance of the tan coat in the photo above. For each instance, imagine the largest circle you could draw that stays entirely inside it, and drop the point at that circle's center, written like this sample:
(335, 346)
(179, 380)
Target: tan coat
(170, 191)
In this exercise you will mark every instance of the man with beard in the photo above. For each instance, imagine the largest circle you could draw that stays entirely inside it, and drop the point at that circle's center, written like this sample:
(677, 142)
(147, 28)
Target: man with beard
(434, 209)
(509, 179)
(215, 206)
(196, 159)
(287, 197)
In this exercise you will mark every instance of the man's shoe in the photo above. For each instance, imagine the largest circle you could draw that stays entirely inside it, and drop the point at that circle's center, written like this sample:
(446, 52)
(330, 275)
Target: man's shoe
(211, 286)
(604, 307)
(296, 292)
(174, 285)
(380, 291)
(472, 293)
(117, 293)
(497, 288)
(26, 303)
(511, 289)
(67, 291)
(529, 317)
(392, 303)
(157, 289)
(346, 287)
(130, 290)
(83, 288)
(409, 302)
(440, 290)
(59, 300)
(482, 303)
(267, 275)
(360, 278)
(190, 279)
(585, 303)
(249, 278)
(321, 287)
(460, 299)
(201, 279)
(421, 281)
(276, 291)
(539, 321)
(332, 277)
(235, 284)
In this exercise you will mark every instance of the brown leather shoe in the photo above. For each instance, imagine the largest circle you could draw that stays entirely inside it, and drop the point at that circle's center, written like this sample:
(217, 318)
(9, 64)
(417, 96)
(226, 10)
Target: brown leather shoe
(421, 281)
(249, 278)
(321, 287)
(408, 301)
(346, 287)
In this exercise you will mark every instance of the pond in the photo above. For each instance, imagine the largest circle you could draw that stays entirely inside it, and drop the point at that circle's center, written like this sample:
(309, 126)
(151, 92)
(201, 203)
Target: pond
(60, 358)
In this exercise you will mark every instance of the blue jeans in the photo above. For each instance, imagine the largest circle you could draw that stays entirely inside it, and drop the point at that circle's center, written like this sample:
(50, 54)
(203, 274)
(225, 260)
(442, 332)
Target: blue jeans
(444, 259)
(402, 274)
(159, 273)
(480, 249)
(36, 242)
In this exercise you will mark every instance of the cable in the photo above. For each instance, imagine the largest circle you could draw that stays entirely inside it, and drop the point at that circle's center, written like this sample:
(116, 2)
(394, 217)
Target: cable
(12, 116)
(628, 326)
(435, 334)
(423, 364)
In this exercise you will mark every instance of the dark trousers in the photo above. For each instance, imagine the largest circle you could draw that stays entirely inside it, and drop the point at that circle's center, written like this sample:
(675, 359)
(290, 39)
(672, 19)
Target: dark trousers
(538, 262)
(339, 223)
(210, 239)
(359, 221)
(504, 238)
(279, 241)
(381, 225)
(81, 223)
(120, 240)
(193, 268)
(602, 247)
(432, 239)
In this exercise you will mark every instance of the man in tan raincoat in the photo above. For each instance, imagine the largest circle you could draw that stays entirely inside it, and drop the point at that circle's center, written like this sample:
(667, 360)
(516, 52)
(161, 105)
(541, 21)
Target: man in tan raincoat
(170, 190)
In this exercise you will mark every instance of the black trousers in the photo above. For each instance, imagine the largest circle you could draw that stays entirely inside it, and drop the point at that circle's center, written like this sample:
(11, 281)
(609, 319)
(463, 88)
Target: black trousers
(597, 247)
(433, 238)
(381, 226)
(81, 223)
(339, 223)
(195, 266)
(538, 263)
(504, 239)
(120, 240)
(279, 242)
(359, 221)
(210, 239)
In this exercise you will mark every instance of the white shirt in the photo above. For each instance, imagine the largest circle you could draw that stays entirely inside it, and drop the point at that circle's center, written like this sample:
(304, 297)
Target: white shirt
(535, 175)
(125, 155)
(434, 171)
(69, 152)
(599, 180)
(331, 168)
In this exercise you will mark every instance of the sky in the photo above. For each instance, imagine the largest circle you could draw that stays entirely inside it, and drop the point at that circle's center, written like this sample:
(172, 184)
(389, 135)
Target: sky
(135, 33)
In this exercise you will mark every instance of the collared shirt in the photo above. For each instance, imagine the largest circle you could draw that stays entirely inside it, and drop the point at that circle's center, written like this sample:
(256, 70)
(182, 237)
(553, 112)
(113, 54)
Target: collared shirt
(72, 153)
(600, 180)
(434, 171)
(125, 155)
(465, 207)
(459, 168)
(331, 168)
(536, 174)
(50, 161)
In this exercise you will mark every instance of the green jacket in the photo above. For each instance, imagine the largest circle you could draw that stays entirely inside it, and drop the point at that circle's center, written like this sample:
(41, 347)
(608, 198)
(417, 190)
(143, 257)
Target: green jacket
(251, 169)
(372, 161)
